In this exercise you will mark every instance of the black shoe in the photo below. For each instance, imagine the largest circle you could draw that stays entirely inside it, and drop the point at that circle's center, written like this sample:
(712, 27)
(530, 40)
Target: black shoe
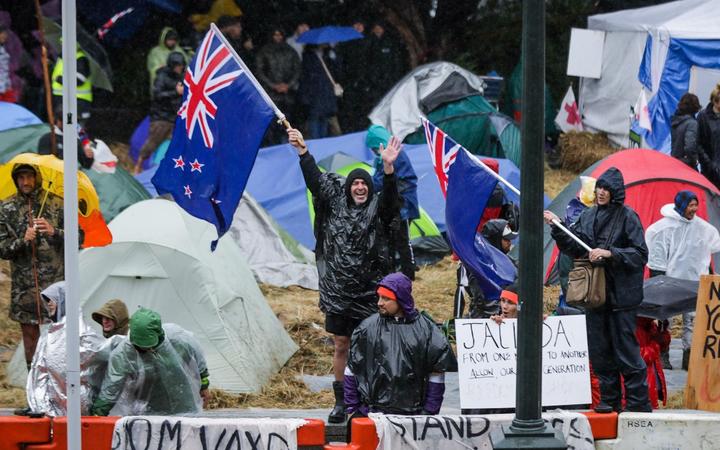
(686, 359)
(604, 408)
(337, 415)
(665, 360)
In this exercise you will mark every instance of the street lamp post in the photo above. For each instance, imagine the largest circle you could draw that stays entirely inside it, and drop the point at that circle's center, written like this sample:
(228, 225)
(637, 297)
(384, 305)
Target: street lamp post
(528, 430)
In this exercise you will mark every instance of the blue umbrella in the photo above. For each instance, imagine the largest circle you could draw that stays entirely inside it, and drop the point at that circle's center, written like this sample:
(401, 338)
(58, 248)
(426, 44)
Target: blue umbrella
(328, 34)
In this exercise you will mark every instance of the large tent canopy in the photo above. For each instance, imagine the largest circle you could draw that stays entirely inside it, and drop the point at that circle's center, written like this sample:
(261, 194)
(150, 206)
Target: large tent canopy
(655, 47)
(160, 259)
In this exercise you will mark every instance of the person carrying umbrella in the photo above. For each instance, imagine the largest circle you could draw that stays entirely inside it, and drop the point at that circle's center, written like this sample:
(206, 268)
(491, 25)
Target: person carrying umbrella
(31, 238)
(680, 246)
(84, 86)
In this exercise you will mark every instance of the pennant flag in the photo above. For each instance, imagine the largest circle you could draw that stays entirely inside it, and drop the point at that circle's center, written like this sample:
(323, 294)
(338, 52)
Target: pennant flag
(568, 118)
(218, 131)
(642, 113)
(443, 151)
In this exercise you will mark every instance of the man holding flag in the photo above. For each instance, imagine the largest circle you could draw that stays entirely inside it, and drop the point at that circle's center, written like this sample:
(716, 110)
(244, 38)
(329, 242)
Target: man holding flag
(352, 224)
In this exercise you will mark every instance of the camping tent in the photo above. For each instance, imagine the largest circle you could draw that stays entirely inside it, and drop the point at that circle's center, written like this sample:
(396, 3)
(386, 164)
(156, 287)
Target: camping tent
(160, 258)
(655, 47)
(651, 180)
(15, 116)
(415, 95)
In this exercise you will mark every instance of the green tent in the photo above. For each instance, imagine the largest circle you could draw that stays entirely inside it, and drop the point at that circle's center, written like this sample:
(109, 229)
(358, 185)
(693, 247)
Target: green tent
(512, 101)
(117, 191)
(475, 124)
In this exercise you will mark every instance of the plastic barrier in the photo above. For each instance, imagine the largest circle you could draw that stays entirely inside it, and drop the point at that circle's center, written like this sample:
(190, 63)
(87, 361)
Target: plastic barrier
(97, 433)
(603, 426)
(15, 430)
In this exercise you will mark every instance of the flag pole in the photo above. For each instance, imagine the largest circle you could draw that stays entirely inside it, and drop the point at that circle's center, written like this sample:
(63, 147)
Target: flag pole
(70, 214)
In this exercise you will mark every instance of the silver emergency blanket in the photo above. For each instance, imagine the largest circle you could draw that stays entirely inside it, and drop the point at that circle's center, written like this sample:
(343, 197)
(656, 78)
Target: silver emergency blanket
(45, 386)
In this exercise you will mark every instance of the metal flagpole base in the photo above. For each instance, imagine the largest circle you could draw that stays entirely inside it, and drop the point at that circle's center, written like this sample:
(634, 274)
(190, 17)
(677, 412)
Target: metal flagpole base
(516, 436)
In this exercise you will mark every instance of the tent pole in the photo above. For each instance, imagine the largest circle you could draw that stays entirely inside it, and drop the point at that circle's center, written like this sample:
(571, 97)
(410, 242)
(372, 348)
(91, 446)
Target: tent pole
(72, 277)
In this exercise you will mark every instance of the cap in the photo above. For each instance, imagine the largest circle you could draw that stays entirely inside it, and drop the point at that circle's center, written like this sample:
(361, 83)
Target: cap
(509, 234)
(387, 293)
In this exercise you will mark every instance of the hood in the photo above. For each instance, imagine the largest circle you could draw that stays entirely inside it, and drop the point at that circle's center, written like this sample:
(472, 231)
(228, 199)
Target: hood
(613, 181)
(677, 120)
(376, 135)
(56, 293)
(175, 59)
(24, 166)
(670, 212)
(710, 114)
(117, 311)
(146, 328)
(163, 35)
(354, 175)
(493, 232)
(401, 285)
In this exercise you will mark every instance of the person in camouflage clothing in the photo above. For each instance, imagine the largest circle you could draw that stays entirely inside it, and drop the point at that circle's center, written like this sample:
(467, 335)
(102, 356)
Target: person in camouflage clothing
(33, 243)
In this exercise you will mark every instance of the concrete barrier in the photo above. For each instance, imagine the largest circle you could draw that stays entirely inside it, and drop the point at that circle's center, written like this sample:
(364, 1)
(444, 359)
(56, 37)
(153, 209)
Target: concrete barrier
(665, 430)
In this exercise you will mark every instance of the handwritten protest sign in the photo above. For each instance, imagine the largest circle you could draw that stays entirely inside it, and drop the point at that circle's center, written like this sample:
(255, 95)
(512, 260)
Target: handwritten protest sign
(487, 354)
(703, 381)
(164, 433)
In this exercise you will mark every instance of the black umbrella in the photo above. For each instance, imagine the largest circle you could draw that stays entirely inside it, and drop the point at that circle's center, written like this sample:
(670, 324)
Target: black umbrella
(665, 297)
(99, 64)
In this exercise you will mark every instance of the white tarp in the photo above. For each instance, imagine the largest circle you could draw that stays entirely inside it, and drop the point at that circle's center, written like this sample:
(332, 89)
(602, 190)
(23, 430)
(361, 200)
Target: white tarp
(399, 111)
(606, 102)
(160, 259)
(274, 259)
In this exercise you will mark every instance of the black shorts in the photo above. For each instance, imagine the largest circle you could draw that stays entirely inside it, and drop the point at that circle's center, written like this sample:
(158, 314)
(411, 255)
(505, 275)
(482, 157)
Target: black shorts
(340, 325)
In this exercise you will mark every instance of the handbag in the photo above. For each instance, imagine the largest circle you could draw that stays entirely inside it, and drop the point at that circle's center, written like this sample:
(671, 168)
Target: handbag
(337, 87)
(586, 281)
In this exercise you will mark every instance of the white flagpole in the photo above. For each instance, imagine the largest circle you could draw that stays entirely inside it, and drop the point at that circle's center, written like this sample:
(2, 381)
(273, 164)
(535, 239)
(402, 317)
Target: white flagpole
(517, 191)
(70, 180)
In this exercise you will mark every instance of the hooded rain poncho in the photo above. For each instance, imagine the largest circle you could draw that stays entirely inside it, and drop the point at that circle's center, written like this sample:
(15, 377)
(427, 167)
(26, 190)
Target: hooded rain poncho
(680, 247)
(162, 381)
(392, 358)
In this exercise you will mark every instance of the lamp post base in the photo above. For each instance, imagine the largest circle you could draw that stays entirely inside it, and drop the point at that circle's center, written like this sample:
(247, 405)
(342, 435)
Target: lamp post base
(545, 437)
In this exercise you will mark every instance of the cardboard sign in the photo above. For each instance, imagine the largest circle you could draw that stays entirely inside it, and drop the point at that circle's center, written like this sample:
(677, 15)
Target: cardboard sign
(703, 381)
(487, 353)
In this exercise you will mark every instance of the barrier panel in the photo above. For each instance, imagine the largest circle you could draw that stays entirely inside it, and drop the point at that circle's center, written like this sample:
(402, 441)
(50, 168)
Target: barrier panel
(96, 434)
(603, 426)
(18, 430)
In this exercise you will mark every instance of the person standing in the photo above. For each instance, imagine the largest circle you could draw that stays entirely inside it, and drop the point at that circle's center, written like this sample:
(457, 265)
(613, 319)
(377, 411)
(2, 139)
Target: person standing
(33, 241)
(158, 55)
(681, 245)
(166, 101)
(317, 93)
(398, 357)
(84, 86)
(351, 231)
(684, 131)
(615, 234)
(278, 70)
(709, 137)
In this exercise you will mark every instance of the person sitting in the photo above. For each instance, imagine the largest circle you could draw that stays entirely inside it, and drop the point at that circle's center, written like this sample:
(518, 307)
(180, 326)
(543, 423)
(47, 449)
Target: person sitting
(156, 371)
(113, 318)
(398, 357)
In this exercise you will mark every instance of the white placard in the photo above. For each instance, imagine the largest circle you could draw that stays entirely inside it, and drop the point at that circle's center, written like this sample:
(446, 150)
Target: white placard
(586, 53)
(487, 352)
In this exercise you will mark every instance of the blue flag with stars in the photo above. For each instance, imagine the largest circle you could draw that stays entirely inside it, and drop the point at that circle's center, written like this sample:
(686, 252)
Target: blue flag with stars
(218, 131)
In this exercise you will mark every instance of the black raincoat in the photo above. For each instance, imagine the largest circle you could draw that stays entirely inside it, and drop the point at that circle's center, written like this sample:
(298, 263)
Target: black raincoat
(624, 270)
(352, 241)
(613, 346)
(392, 358)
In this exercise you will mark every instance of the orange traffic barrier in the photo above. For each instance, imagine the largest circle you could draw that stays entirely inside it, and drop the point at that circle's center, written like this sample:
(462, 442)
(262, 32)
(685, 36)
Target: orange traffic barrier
(364, 436)
(312, 433)
(17, 430)
(603, 426)
(96, 434)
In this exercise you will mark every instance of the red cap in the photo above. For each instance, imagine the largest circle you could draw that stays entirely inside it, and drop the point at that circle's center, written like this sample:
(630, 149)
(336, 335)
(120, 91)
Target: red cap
(387, 293)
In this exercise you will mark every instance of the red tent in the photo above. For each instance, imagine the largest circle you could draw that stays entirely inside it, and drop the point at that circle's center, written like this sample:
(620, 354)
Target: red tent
(652, 179)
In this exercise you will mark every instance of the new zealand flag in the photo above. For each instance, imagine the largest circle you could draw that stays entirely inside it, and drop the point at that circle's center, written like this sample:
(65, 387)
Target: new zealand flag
(218, 131)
